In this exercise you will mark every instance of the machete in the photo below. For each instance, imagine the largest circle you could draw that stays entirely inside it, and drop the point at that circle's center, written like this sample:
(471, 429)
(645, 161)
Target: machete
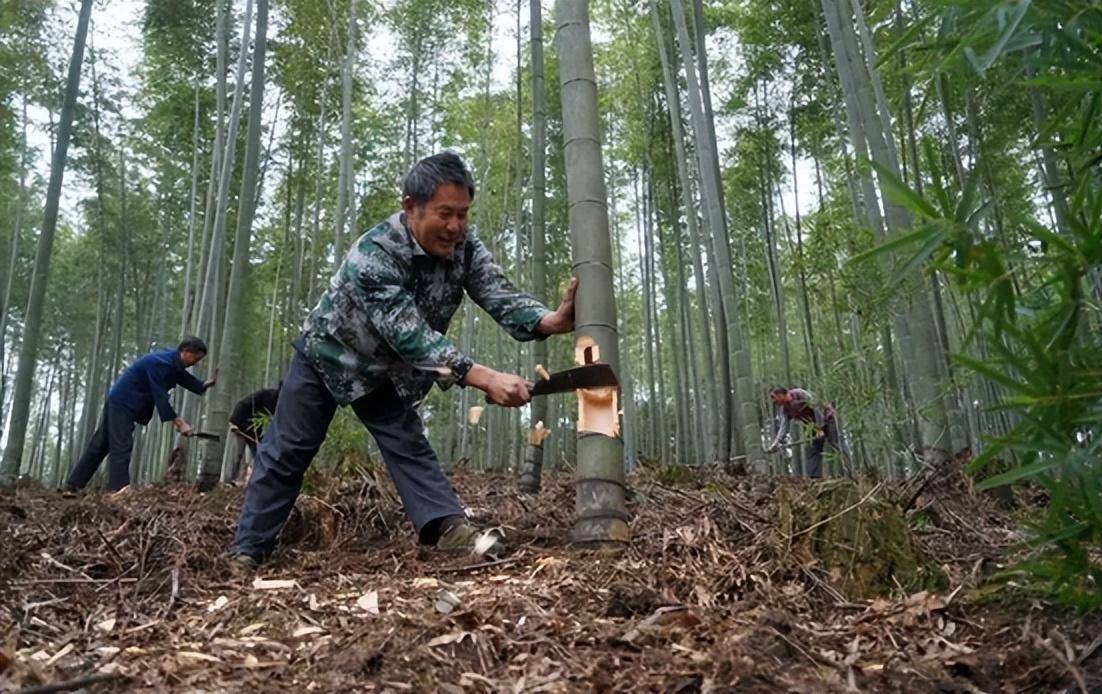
(577, 378)
(205, 435)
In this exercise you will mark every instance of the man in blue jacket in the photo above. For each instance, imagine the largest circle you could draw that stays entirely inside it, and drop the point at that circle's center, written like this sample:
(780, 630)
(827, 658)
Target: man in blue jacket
(143, 386)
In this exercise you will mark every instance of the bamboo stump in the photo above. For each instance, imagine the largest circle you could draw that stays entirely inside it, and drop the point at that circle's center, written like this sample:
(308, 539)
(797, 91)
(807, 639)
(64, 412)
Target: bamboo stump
(857, 536)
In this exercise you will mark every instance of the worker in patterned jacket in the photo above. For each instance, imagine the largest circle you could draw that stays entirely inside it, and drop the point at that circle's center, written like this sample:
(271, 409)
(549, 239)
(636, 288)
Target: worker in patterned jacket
(376, 342)
(798, 404)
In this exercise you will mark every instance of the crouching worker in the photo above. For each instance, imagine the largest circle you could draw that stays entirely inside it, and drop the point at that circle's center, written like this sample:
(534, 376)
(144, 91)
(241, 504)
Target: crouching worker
(247, 421)
(376, 342)
(144, 385)
(795, 403)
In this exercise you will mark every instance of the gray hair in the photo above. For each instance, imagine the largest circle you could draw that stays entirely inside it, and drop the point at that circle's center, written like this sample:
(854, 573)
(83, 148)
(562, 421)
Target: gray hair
(430, 173)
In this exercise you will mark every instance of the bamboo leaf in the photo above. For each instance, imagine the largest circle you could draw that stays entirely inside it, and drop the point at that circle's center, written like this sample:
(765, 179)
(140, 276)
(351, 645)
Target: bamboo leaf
(1018, 473)
(985, 457)
(898, 192)
(1088, 117)
(1065, 83)
(995, 375)
(1041, 233)
(930, 245)
(1078, 201)
(962, 250)
(967, 196)
(895, 242)
(1061, 535)
(1065, 328)
(1008, 19)
(973, 219)
(903, 40)
(933, 165)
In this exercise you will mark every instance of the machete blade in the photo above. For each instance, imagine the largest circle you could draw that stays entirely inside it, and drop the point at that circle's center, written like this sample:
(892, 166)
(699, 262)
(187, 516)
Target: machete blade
(577, 378)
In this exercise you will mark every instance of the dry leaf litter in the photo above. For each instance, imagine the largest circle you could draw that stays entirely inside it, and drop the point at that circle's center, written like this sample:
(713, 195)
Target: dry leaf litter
(720, 590)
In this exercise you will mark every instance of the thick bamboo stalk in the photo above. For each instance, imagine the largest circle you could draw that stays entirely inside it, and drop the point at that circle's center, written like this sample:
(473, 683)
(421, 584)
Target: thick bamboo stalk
(805, 301)
(918, 333)
(601, 514)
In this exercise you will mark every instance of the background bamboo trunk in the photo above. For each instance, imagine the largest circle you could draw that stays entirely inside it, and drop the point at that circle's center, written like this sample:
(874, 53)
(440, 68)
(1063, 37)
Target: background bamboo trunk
(345, 181)
(233, 331)
(743, 415)
(673, 101)
(28, 352)
(16, 233)
(532, 467)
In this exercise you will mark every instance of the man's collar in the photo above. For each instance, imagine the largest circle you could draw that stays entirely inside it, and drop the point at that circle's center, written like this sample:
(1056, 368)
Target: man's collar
(415, 245)
(399, 239)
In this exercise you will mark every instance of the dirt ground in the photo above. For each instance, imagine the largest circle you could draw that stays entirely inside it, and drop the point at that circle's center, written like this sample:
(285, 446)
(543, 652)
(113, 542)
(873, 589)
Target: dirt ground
(132, 593)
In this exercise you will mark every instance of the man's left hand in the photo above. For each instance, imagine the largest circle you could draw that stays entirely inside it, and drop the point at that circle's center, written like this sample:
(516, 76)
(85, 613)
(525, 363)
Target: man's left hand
(209, 383)
(561, 320)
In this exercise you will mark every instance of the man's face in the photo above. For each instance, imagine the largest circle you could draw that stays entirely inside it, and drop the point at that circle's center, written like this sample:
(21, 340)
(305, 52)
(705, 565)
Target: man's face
(441, 223)
(779, 397)
(190, 358)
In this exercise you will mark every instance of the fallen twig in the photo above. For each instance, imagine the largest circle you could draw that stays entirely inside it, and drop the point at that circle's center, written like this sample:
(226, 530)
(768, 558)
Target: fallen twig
(1089, 650)
(111, 548)
(37, 581)
(481, 565)
(175, 589)
(69, 685)
(1073, 669)
(744, 456)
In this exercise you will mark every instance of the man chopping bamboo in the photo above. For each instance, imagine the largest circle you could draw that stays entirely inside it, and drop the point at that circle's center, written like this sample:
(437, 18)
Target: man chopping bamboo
(143, 387)
(796, 403)
(376, 342)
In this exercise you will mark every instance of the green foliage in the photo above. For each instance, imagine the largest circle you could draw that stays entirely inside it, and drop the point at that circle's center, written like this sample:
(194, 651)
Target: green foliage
(346, 434)
(178, 35)
(1038, 316)
(24, 73)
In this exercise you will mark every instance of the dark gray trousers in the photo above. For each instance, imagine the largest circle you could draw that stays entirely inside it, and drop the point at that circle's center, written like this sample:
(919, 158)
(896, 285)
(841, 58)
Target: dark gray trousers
(814, 450)
(114, 439)
(296, 432)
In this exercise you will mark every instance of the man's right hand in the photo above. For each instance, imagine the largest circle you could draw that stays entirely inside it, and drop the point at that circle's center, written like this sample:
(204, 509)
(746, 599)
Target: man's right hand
(183, 427)
(507, 390)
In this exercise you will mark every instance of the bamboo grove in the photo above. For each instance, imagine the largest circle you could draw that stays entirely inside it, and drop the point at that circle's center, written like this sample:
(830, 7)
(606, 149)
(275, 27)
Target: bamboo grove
(893, 204)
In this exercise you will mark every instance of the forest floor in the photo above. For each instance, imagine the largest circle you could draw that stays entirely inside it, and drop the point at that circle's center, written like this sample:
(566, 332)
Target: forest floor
(721, 589)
